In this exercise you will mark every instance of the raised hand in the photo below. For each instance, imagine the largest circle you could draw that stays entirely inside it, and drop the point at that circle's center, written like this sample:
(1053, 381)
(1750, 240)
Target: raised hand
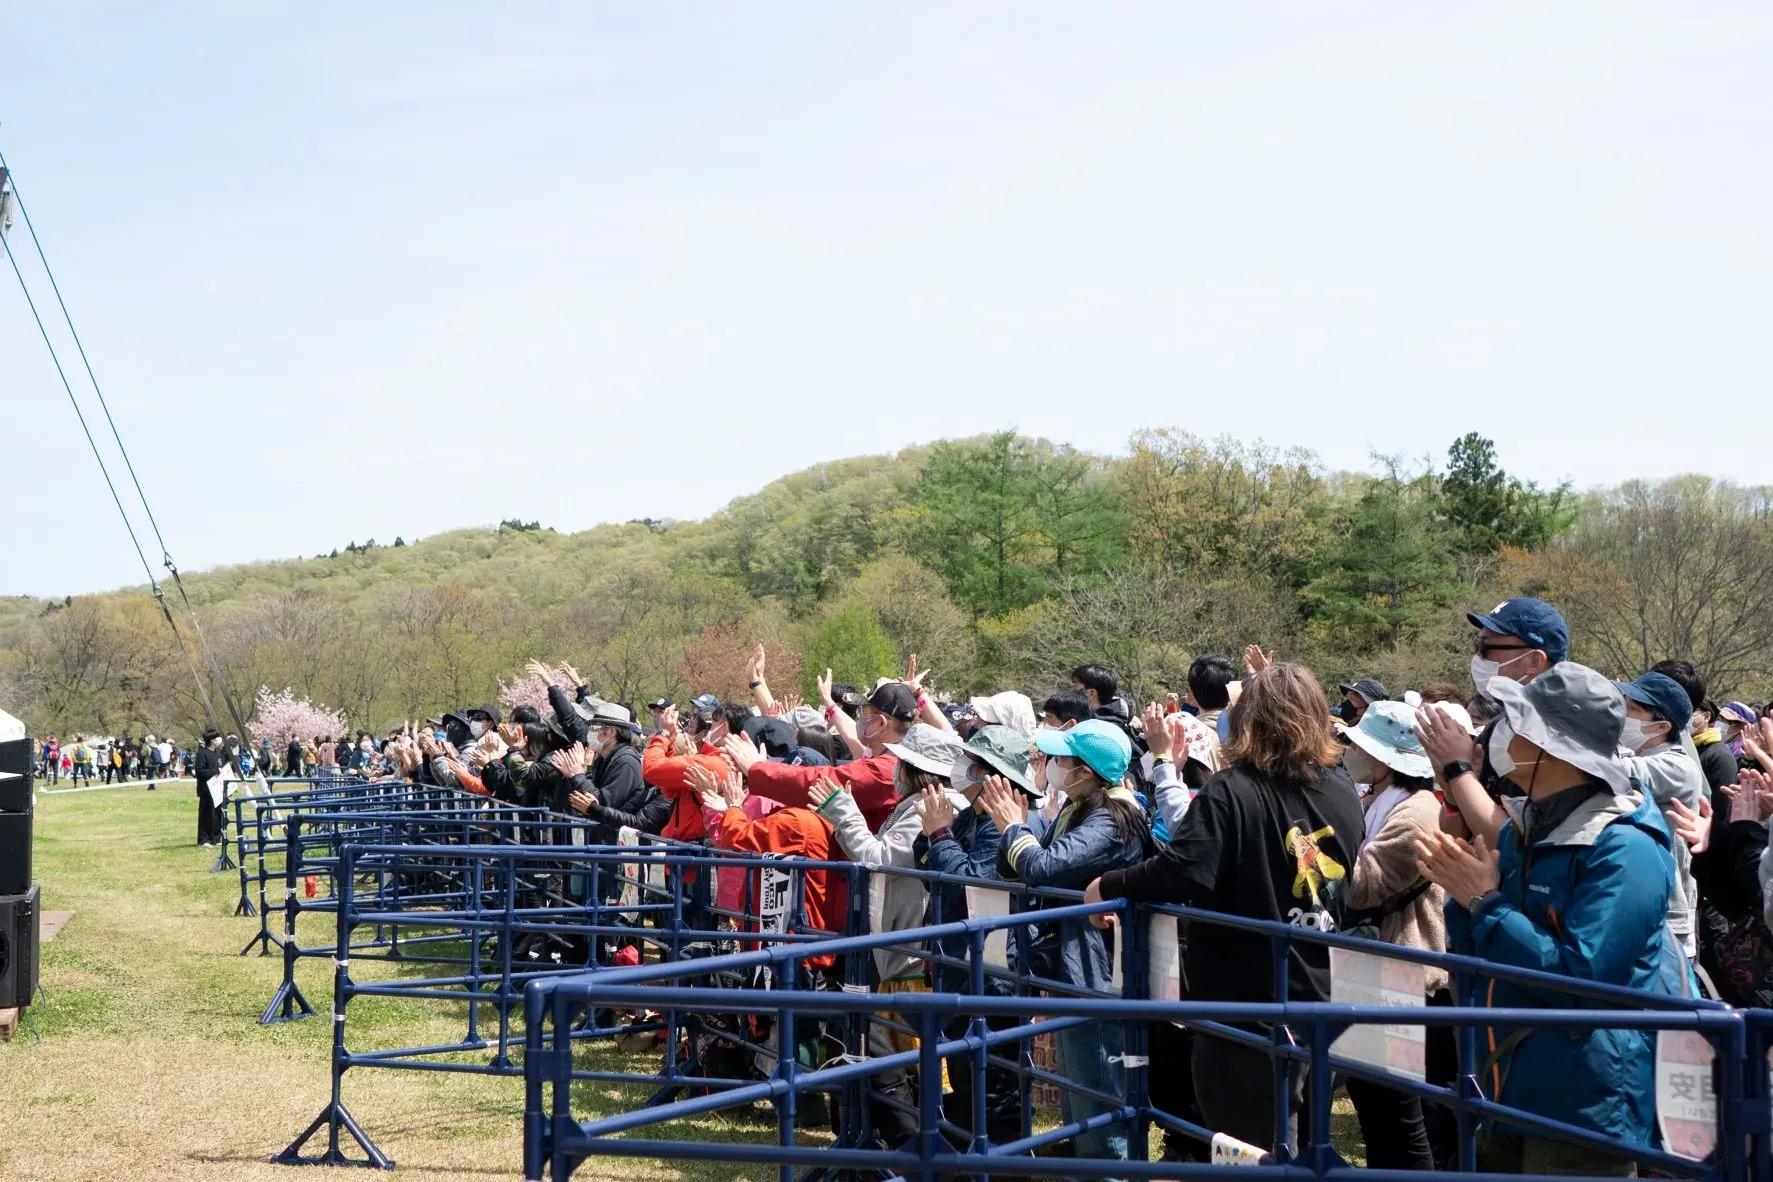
(1256, 661)
(1465, 870)
(536, 669)
(1446, 741)
(754, 667)
(935, 810)
(1002, 803)
(572, 675)
(914, 677)
(792, 702)
(823, 683)
(742, 751)
(512, 733)
(823, 789)
(571, 762)
(1157, 734)
(1692, 826)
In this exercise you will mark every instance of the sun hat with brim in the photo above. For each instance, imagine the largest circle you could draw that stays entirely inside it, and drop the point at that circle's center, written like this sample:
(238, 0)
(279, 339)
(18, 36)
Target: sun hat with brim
(1012, 708)
(1571, 713)
(928, 749)
(1663, 694)
(608, 714)
(1103, 747)
(1387, 732)
(1738, 712)
(1005, 751)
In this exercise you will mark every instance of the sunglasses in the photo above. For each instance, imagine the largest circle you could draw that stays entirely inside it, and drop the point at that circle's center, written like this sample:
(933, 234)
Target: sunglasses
(1480, 646)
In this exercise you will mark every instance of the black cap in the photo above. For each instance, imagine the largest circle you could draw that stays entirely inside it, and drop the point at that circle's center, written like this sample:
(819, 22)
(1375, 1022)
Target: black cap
(895, 700)
(848, 696)
(491, 711)
(775, 737)
(1370, 690)
(660, 704)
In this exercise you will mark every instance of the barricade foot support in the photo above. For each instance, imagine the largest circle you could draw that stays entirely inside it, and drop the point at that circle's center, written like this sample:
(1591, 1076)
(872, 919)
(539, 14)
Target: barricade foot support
(333, 1117)
(287, 1006)
(262, 941)
(224, 862)
(245, 907)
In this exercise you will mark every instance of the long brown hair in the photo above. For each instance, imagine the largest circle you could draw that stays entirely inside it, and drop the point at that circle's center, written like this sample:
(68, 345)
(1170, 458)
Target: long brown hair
(1281, 726)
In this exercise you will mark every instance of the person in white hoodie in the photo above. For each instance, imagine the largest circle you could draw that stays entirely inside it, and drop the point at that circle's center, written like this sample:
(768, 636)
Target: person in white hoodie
(1657, 711)
(926, 757)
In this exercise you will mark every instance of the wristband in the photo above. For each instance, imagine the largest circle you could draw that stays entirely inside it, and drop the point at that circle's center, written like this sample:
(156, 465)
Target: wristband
(1166, 757)
(831, 714)
(755, 684)
(923, 702)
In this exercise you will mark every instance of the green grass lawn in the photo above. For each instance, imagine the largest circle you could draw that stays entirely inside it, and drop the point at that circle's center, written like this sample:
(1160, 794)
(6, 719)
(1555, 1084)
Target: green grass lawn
(153, 1064)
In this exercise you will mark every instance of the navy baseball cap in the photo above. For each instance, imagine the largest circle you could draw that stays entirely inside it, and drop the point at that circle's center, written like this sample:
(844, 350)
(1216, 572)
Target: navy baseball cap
(1532, 620)
(1369, 688)
(1660, 693)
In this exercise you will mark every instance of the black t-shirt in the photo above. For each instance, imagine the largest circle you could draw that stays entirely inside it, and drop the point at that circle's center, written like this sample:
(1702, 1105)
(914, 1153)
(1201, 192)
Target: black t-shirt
(1255, 847)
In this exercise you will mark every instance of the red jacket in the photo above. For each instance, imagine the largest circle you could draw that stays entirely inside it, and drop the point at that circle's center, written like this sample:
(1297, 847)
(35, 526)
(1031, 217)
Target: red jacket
(670, 774)
(800, 832)
(869, 780)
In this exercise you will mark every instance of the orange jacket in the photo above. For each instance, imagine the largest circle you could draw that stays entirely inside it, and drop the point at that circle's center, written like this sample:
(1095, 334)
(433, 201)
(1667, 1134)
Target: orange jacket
(800, 832)
(869, 780)
(670, 774)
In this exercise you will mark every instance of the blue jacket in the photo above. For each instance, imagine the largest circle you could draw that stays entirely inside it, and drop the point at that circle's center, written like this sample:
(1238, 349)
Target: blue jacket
(1070, 854)
(968, 849)
(1590, 900)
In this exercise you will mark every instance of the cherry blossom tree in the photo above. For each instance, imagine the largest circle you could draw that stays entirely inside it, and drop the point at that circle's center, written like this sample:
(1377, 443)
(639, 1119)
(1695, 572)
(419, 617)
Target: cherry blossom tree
(282, 717)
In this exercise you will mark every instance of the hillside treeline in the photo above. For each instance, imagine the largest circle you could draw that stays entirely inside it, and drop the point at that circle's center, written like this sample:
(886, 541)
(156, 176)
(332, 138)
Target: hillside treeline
(1002, 561)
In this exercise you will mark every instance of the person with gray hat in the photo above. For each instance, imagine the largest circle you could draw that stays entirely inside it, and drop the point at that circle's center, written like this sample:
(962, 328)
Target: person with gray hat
(1579, 885)
(604, 777)
(924, 756)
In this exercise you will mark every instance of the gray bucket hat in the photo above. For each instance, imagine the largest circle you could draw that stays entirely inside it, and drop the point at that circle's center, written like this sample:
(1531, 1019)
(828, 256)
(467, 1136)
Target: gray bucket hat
(928, 749)
(1573, 713)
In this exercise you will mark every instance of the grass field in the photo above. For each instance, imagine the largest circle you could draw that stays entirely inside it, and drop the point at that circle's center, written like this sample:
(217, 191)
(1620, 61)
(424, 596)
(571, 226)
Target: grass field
(153, 1065)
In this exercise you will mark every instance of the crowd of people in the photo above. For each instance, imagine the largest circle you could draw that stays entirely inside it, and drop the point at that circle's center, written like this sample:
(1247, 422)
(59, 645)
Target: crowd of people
(1547, 817)
(110, 759)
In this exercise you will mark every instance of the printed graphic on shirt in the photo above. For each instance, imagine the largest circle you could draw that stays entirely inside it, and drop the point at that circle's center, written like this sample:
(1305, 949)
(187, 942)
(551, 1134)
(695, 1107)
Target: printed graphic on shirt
(1317, 871)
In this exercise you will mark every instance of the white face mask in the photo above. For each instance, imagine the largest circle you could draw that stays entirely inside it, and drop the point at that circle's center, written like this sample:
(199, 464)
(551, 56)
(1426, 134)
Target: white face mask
(1636, 736)
(1501, 762)
(1484, 672)
(477, 727)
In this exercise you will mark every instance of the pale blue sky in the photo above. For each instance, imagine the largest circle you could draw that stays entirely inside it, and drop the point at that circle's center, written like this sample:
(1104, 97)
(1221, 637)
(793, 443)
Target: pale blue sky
(351, 270)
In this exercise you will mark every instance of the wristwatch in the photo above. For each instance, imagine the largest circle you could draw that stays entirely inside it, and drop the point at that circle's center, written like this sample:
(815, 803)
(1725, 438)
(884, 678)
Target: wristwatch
(1454, 770)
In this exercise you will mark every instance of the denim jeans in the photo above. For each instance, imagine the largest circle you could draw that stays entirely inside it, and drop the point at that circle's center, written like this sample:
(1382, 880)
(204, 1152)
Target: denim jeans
(1090, 1054)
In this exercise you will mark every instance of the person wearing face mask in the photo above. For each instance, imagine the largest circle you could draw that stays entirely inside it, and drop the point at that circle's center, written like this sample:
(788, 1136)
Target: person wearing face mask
(1100, 829)
(963, 842)
(882, 722)
(1514, 644)
(1579, 885)
(1391, 901)
(673, 774)
(606, 783)
(1356, 697)
(924, 756)
(209, 764)
(1657, 711)
(1060, 712)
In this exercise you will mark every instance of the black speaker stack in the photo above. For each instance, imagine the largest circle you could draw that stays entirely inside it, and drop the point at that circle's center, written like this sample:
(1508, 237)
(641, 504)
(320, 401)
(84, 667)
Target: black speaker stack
(18, 895)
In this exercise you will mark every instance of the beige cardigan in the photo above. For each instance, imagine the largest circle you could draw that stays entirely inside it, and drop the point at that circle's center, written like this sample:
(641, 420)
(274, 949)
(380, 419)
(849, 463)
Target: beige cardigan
(1386, 868)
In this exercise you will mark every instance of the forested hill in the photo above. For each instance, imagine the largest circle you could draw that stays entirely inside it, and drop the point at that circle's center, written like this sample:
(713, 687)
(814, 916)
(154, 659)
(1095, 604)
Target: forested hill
(1000, 561)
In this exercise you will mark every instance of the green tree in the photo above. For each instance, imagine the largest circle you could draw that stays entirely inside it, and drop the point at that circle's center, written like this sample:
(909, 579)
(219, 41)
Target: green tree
(1224, 503)
(1391, 566)
(1488, 509)
(1005, 519)
(852, 644)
